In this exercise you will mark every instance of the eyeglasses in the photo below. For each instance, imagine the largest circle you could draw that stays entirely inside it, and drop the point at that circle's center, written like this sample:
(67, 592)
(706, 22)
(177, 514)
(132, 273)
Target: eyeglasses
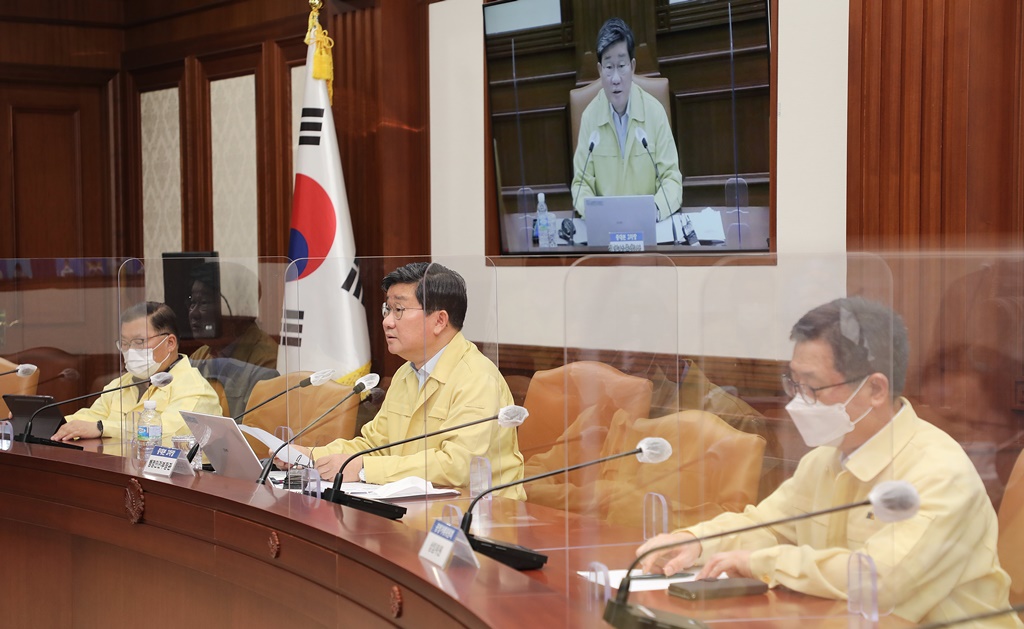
(123, 345)
(623, 69)
(807, 392)
(398, 311)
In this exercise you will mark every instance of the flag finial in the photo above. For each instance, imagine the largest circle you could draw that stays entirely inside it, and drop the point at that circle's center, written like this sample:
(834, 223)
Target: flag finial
(323, 66)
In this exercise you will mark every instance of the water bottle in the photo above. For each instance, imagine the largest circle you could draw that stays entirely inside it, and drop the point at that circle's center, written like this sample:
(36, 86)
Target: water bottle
(546, 233)
(151, 428)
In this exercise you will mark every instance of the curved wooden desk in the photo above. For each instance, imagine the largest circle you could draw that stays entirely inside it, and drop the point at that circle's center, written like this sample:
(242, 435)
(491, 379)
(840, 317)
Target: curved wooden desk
(224, 552)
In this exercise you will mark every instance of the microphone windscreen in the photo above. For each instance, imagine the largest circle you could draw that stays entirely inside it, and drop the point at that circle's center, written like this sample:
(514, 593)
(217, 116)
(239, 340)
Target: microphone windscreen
(595, 139)
(653, 450)
(161, 379)
(26, 370)
(368, 381)
(320, 377)
(894, 500)
(374, 396)
(510, 416)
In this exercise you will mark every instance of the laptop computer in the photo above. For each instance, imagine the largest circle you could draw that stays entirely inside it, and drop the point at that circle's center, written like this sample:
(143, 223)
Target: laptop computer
(23, 406)
(224, 445)
(621, 223)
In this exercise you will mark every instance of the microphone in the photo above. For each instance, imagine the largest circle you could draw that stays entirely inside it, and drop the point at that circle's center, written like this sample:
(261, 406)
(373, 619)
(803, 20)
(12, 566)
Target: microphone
(314, 379)
(23, 371)
(369, 380)
(158, 380)
(1016, 609)
(891, 500)
(595, 139)
(68, 373)
(508, 417)
(641, 137)
(649, 450)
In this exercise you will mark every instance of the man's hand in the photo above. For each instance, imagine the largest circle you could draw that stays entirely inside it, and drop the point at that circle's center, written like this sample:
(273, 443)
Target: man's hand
(75, 430)
(671, 560)
(735, 563)
(328, 467)
(284, 465)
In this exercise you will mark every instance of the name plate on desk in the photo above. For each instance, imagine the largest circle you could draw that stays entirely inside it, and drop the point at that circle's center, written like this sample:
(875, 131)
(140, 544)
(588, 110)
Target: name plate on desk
(626, 241)
(166, 461)
(445, 541)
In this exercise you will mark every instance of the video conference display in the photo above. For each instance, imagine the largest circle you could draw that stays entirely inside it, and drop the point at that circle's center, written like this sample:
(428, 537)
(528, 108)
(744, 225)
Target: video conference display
(630, 125)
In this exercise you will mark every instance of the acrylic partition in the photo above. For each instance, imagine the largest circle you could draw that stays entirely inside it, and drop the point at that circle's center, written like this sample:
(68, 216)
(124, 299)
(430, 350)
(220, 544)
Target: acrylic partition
(465, 387)
(59, 314)
(227, 315)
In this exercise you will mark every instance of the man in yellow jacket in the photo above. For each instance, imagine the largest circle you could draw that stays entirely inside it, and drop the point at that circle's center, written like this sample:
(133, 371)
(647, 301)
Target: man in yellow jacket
(619, 164)
(446, 382)
(847, 372)
(149, 344)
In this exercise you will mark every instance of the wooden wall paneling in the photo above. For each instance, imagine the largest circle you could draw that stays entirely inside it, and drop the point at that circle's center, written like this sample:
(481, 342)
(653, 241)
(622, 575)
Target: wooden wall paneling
(57, 195)
(990, 118)
(196, 159)
(274, 172)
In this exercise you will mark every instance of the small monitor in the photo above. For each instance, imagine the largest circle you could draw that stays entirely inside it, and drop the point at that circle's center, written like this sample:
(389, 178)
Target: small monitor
(192, 290)
(23, 406)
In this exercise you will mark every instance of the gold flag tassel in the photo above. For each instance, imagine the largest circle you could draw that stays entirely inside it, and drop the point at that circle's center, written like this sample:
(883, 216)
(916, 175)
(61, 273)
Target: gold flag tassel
(323, 66)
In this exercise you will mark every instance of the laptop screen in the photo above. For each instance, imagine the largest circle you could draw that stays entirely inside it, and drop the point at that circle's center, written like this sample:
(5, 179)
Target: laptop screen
(621, 223)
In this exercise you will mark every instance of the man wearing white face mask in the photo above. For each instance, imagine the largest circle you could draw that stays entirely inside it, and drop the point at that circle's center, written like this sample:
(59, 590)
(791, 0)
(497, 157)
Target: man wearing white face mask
(149, 345)
(845, 377)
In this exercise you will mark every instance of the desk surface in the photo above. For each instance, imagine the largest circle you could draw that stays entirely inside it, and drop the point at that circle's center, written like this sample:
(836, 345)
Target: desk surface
(233, 553)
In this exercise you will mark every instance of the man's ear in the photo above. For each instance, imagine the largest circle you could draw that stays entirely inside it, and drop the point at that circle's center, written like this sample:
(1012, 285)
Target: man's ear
(172, 344)
(442, 321)
(878, 388)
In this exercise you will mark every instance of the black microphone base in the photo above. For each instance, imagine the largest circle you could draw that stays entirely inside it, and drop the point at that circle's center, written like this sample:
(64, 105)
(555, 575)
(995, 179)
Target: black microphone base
(512, 555)
(376, 507)
(626, 616)
(48, 442)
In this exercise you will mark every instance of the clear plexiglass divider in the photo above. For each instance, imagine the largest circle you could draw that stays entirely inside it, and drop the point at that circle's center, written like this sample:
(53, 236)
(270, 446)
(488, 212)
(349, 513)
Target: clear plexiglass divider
(225, 315)
(701, 350)
(813, 349)
(615, 413)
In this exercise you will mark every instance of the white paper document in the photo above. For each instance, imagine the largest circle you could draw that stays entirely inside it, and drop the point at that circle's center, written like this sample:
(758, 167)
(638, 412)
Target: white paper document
(410, 487)
(707, 223)
(289, 454)
(642, 584)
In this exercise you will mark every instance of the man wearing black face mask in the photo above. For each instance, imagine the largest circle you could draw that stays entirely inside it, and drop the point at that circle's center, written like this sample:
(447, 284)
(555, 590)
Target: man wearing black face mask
(148, 344)
(845, 377)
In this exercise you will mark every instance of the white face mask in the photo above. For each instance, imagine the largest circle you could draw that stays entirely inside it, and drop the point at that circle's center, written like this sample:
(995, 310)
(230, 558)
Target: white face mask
(821, 424)
(140, 362)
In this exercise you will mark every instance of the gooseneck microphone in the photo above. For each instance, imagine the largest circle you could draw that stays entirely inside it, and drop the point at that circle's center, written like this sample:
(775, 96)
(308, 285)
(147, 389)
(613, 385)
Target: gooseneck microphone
(508, 417)
(68, 373)
(595, 139)
(649, 450)
(370, 380)
(891, 500)
(641, 137)
(314, 379)
(158, 380)
(24, 370)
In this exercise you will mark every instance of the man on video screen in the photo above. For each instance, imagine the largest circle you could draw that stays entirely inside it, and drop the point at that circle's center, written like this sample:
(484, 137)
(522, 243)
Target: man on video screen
(619, 118)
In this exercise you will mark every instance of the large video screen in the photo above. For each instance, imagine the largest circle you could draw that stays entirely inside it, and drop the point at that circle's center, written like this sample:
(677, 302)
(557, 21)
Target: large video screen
(630, 125)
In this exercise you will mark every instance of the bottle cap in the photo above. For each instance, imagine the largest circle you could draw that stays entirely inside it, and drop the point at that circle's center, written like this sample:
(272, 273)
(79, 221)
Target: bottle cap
(149, 405)
(540, 197)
